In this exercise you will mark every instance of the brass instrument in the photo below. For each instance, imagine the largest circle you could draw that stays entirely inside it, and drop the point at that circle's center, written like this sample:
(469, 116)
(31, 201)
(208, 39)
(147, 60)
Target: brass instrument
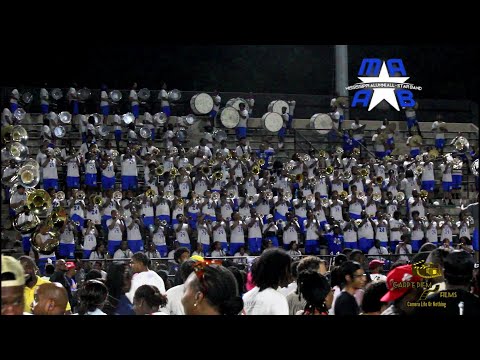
(379, 180)
(188, 167)
(312, 182)
(339, 150)
(217, 175)
(245, 157)
(461, 144)
(60, 195)
(358, 222)
(400, 196)
(299, 178)
(310, 197)
(457, 164)
(57, 219)
(260, 162)
(387, 158)
(364, 172)
(23, 226)
(47, 247)
(163, 223)
(169, 196)
(329, 170)
(98, 200)
(419, 157)
(80, 195)
(250, 199)
(205, 170)
(38, 201)
(287, 195)
(324, 202)
(212, 162)
(423, 194)
(215, 196)
(180, 202)
(117, 195)
(155, 151)
(433, 154)
(322, 154)
(150, 193)
(114, 154)
(346, 175)
(343, 195)
(28, 176)
(17, 151)
(474, 167)
(279, 223)
(418, 170)
(256, 169)
(376, 196)
(19, 134)
(197, 199)
(416, 141)
(356, 151)
(268, 195)
(159, 170)
(304, 157)
(230, 195)
(401, 157)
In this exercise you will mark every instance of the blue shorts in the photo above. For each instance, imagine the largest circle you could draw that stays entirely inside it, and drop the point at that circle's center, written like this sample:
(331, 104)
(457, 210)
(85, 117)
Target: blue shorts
(302, 225)
(67, 250)
(206, 248)
(113, 245)
(414, 152)
(44, 108)
(357, 143)
(105, 218)
(475, 239)
(365, 244)
(351, 244)
(354, 216)
(86, 254)
(136, 110)
(166, 110)
(428, 185)
(84, 137)
(332, 135)
(75, 108)
(213, 115)
(241, 132)
(152, 134)
(380, 154)
(211, 218)
(447, 186)
(234, 247)
(411, 122)
(135, 245)
(129, 182)
(118, 135)
(457, 181)
(193, 221)
(26, 243)
(439, 143)
(91, 180)
(108, 183)
(254, 245)
(73, 182)
(164, 217)
(273, 239)
(390, 141)
(312, 247)
(76, 217)
(282, 132)
(50, 183)
(162, 249)
(13, 107)
(290, 121)
(148, 220)
(416, 245)
(105, 110)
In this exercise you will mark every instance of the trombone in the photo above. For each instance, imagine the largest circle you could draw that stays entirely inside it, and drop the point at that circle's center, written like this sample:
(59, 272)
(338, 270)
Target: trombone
(256, 169)
(159, 170)
(98, 200)
(217, 175)
(150, 193)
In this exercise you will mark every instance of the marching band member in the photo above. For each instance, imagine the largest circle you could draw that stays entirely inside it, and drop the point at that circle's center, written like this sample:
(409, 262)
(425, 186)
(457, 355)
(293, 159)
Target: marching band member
(415, 203)
(241, 129)
(14, 97)
(447, 226)
(237, 231)
(381, 233)
(204, 233)
(270, 230)
(417, 228)
(133, 98)
(158, 237)
(312, 233)
(183, 231)
(90, 234)
(135, 226)
(290, 231)
(254, 223)
(216, 107)
(396, 226)
(366, 231)
(44, 100)
(431, 229)
(283, 129)
(447, 182)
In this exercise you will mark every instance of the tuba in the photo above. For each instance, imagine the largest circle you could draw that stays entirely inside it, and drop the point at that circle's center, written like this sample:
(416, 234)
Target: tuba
(115, 95)
(65, 117)
(59, 131)
(461, 144)
(356, 152)
(38, 201)
(19, 134)
(23, 226)
(18, 151)
(145, 133)
(29, 176)
(81, 195)
(47, 247)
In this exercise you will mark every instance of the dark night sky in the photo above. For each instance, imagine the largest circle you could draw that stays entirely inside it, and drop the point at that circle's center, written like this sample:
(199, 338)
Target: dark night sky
(443, 71)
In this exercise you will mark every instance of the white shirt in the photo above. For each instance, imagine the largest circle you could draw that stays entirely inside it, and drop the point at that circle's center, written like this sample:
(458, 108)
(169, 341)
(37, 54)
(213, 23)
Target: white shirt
(266, 302)
(50, 171)
(378, 277)
(134, 97)
(44, 96)
(174, 305)
(120, 254)
(243, 118)
(103, 98)
(148, 277)
(129, 166)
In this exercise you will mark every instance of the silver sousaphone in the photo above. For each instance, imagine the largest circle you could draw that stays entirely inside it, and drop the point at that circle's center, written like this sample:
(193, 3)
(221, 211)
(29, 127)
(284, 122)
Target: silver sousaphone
(84, 94)
(65, 117)
(115, 95)
(160, 118)
(19, 114)
(144, 94)
(18, 151)
(56, 94)
(174, 95)
(128, 118)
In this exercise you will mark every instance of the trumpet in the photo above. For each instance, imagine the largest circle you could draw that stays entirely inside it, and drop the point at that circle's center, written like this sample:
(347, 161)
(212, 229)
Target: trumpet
(358, 222)
(205, 170)
(180, 202)
(268, 195)
(155, 151)
(256, 169)
(418, 170)
(312, 182)
(339, 150)
(377, 196)
(343, 195)
(260, 162)
(379, 180)
(324, 202)
(169, 196)
(310, 198)
(423, 194)
(117, 196)
(98, 200)
(231, 195)
(287, 195)
(215, 196)
(279, 223)
(174, 172)
(329, 170)
(299, 178)
(188, 168)
(346, 175)
(114, 154)
(356, 151)
(364, 172)
(81, 195)
(217, 175)
(196, 198)
(322, 154)
(163, 223)
(304, 157)
(400, 196)
(159, 170)
(150, 193)
(60, 195)
(250, 199)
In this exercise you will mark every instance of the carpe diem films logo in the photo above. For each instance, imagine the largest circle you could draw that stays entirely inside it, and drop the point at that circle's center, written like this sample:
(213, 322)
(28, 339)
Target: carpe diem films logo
(428, 271)
(383, 80)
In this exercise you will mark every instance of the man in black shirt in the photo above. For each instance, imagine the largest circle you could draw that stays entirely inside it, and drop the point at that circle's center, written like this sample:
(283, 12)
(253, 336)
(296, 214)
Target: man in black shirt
(353, 278)
(456, 299)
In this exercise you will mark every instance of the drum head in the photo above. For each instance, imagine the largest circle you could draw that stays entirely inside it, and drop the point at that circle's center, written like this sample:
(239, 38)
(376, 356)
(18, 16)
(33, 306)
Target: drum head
(229, 117)
(235, 102)
(277, 105)
(59, 131)
(272, 121)
(219, 135)
(322, 123)
(201, 103)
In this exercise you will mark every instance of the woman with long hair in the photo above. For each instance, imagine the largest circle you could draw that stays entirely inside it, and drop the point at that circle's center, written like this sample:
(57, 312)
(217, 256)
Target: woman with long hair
(316, 290)
(91, 298)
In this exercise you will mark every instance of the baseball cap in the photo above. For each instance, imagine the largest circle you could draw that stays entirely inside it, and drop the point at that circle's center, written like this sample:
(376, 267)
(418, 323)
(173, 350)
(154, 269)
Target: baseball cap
(70, 265)
(12, 267)
(374, 263)
(401, 274)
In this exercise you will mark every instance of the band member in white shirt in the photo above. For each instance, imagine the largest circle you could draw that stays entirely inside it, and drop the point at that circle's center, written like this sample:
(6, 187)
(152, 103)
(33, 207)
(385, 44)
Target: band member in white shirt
(133, 98)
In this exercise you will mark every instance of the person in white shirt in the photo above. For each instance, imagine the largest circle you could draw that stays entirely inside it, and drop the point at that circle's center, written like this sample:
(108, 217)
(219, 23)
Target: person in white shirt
(129, 170)
(116, 227)
(14, 97)
(217, 250)
(376, 251)
(439, 128)
(271, 271)
(133, 98)
(241, 129)
(90, 234)
(447, 182)
(143, 276)
(379, 144)
(91, 298)
(358, 130)
(376, 268)
(104, 103)
(404, 248)
(411, 117)
(396, 226)
(123, 253)
(72, 99)
(216, 107)
(283, 130)
(174, 295)
(66, 247)
(50, 173)
(164, 103)
(135, 227)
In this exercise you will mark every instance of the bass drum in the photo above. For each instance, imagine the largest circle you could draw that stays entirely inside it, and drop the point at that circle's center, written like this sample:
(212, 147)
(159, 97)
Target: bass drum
(201, 104)
(277, 105)
(272, 121)
(322, 123)
(229, 117)
(235, 102)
